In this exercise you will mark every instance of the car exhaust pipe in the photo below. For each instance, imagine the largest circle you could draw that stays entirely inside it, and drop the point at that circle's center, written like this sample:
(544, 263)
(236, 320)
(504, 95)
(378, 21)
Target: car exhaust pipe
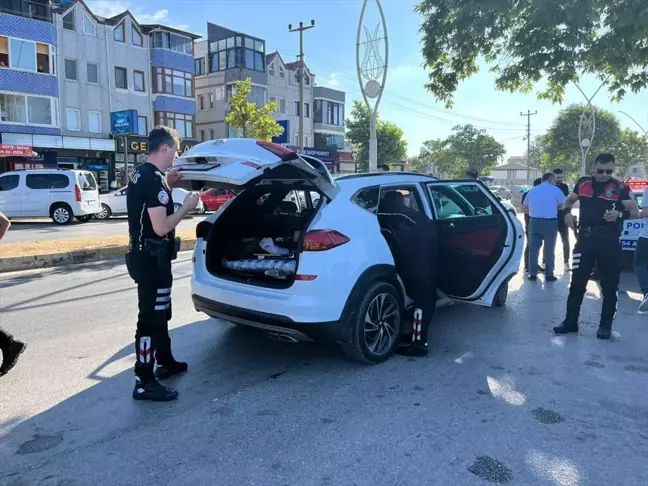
(282, 337)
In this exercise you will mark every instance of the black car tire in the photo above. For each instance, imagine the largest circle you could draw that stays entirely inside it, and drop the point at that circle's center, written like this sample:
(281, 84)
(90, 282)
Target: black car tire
(61, 214)
(502, 295)
(359, 349)
(105, 213)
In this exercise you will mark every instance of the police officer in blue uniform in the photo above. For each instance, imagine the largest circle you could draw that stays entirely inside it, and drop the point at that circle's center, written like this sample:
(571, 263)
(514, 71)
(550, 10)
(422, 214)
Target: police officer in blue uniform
(604, 202)
(152, 247)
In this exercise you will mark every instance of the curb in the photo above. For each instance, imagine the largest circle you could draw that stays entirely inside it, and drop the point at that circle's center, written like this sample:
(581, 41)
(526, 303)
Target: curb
(17, 264)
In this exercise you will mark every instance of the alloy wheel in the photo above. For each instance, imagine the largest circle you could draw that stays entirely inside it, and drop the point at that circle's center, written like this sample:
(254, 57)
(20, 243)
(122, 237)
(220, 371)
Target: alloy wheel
(380, 324)
(61, 215)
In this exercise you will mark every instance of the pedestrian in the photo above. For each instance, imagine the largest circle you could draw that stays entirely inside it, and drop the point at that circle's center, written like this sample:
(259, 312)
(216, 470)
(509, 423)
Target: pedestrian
(603, 202)
(413, 241)
(383, 168)
(641, 258)
(11, 349)
(152, 247)
(542, 204)
(563, 229)
(537, 182)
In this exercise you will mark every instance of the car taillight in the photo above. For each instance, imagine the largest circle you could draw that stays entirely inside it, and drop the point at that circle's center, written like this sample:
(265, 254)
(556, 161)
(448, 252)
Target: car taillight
(322, 240)
(77, 192)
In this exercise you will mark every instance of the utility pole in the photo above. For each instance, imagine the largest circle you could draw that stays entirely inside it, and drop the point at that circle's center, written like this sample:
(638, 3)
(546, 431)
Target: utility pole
(301, 30)
(528, 114)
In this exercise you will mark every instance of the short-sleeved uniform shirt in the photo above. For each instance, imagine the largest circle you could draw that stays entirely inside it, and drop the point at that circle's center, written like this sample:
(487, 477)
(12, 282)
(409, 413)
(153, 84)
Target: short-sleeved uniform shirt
(597, 197)
(147, 189)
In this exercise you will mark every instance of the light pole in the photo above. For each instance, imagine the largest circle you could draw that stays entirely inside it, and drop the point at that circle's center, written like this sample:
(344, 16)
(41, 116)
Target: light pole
(374, 70)
(301, 30)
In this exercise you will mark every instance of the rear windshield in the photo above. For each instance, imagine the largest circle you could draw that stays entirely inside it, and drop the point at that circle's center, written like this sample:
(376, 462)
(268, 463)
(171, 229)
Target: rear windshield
(87, 181)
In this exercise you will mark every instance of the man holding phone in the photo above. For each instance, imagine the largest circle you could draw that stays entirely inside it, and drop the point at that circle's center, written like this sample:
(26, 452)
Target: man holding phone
(604, 202)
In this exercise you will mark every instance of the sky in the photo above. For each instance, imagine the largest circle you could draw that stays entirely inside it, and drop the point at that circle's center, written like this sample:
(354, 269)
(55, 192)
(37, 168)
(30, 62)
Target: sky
(330, 52)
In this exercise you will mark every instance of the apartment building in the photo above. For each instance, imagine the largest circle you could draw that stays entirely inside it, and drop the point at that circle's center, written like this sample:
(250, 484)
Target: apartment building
(225, 57)
(103, 65)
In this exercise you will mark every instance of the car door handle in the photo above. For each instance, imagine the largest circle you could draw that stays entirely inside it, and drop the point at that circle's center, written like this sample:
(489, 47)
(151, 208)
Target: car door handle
(450, 225)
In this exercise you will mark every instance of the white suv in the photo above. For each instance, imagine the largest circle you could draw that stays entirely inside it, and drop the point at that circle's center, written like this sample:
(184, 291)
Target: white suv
(61, 194)
(302, 257)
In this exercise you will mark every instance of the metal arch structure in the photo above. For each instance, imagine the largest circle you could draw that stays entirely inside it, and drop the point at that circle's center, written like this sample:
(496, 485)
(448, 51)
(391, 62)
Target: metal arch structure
(372, 74)
(587, 126)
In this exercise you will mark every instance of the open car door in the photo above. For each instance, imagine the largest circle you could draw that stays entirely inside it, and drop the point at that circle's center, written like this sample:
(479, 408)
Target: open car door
(246, 162)
(480, 243)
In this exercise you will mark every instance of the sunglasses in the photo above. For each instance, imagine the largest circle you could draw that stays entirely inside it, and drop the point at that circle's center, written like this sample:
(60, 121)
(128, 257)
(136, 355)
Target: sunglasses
(604, 171)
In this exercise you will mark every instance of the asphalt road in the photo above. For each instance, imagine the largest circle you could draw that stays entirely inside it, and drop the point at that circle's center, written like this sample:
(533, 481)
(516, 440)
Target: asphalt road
(44, 229)
(499, 400)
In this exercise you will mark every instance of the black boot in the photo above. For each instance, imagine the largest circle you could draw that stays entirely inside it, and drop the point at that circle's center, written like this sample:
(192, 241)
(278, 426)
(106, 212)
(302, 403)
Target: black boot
(604, 332)
(417, 349)
(10, 355)
(172, 368)
(154, 391)
(566, 327)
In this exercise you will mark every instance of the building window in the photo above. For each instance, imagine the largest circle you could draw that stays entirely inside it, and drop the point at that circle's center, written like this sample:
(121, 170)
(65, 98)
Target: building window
(306, 80)
(71, 71)
(210, 97)
(89, 26)
(121, 78)
(211, 134)
(282, 105)
(282, 74)
(271, 70)
(201, 102)
(220, 93)
(182, 123)
(26, 109)
(138, 39)
(36, 110)
(138, 81)
(73, 117)
(27, 55)
(306, 110)
(69, 21)
(119, 33)
(171, 81)
(142, 126)
(273, 98)
(94, 121)
(329, 113)
(328, 141)
(172, 42)
(201, 136)
(200, 66)
(237, 52)
(92, 73)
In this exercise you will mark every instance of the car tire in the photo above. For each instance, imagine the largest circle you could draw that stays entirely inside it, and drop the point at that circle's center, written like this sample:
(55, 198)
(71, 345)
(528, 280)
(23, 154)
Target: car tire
(61, 214)
(383, 304)
(84, 219)
(502, 295)
(202, 209)
(105, 213)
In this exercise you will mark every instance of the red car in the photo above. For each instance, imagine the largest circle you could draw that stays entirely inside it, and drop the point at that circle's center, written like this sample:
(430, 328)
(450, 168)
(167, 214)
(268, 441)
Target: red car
(213, 201)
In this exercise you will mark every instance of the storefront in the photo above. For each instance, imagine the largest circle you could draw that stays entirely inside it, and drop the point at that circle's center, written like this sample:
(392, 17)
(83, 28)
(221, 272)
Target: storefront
(328, 156)
(20, 157)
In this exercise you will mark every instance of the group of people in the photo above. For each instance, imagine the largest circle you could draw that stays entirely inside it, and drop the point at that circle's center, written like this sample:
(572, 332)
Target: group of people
(604, 203)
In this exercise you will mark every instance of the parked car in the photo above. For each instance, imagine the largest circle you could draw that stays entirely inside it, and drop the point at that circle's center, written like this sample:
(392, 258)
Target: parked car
(300, 270)
(213, 201)
(501, 191)
(114, 203)
(60, 194)
(632, 227)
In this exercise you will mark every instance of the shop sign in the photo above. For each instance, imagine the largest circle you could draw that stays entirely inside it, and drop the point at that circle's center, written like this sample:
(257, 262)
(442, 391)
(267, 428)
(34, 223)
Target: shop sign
(283, 138)
(139, 145)
(318, 153)
(124, 122)
(15, 150)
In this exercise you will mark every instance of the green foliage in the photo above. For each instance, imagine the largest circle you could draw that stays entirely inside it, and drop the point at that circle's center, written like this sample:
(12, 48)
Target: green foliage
(392, 149)
(466, 147)
(630, 149)
(253, 121)
(524, 42)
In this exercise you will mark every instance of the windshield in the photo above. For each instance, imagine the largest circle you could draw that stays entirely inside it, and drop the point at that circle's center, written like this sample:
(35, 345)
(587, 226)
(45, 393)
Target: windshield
(87, 181)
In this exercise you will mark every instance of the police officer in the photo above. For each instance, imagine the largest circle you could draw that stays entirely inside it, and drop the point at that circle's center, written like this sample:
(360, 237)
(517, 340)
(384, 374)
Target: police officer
(152, 247)
(604, 201)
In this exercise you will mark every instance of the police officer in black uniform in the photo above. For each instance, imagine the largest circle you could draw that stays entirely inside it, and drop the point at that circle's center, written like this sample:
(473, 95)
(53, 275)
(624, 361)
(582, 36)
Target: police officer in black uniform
(152, 247)
(604, 202)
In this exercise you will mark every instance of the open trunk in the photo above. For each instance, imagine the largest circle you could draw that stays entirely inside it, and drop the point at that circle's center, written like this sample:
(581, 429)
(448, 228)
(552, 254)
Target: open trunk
(259, 236)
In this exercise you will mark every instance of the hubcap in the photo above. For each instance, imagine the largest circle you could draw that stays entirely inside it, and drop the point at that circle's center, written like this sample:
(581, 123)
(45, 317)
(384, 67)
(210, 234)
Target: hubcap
(61, 215)
(104, 213)
(381, 322)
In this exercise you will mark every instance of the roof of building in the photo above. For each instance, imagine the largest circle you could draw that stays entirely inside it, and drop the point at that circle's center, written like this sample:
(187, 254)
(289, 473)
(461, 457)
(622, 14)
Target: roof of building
(271, 57)
(514, 166)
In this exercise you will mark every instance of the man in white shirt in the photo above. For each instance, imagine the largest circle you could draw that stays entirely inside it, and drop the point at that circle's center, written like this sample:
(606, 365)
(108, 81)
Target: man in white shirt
(542, 204)
(641, 257)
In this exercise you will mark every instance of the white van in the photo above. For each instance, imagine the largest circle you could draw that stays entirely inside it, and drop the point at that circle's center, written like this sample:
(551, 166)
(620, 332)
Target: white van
(60, 194)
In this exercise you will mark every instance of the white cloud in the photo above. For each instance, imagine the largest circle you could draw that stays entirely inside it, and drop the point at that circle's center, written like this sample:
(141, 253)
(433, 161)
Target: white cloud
(334, 82)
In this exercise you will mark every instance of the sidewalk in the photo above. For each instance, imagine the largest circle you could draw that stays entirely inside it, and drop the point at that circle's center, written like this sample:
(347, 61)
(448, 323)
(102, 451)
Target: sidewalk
(50, 253)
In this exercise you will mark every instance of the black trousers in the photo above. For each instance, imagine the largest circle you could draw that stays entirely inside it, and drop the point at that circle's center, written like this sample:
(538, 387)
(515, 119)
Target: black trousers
(605, 253)
(152, 340)
(423, 314)
(5, 339)
(563, 230)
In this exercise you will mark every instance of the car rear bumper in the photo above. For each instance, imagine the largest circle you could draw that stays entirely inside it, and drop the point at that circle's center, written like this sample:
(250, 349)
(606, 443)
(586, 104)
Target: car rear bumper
(277, 326)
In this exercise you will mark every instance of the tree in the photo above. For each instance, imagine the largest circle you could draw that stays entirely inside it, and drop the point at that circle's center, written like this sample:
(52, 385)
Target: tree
(466, 147)
(561, 147)
(526, 42)
(254, 121)
(391, 146)
(630, 149)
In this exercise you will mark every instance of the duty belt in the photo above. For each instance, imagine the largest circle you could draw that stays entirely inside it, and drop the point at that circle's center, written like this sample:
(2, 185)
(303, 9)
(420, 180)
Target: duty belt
(594, 231)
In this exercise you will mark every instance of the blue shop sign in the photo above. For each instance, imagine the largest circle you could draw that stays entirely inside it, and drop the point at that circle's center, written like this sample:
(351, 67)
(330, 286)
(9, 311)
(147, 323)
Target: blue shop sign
(124, 122)
(283, 138)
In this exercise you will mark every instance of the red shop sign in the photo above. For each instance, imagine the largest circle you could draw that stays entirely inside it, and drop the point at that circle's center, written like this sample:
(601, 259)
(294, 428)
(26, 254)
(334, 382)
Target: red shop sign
(15, 150)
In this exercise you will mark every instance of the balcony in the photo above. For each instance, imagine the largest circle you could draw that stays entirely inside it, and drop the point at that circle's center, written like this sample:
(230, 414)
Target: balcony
(31, 9)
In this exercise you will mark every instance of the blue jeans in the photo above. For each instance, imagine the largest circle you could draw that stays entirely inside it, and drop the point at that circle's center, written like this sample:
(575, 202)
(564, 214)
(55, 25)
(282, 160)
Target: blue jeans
(641, 264)
(542, 230)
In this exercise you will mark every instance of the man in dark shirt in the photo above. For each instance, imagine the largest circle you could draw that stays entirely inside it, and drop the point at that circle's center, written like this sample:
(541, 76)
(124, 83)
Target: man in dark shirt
(603, 202)
(563, 229)
(152, 247)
